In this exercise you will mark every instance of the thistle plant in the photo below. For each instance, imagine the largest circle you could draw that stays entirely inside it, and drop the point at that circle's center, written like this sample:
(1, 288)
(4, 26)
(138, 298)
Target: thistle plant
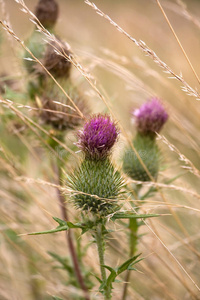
(96, 174)
(96, 188)
(56, 112)
(96, 183)
(35, 181)
(46, 12)
(141, 161)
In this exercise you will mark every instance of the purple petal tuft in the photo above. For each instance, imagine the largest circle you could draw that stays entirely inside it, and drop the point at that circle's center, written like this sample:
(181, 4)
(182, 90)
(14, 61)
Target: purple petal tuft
(150, 117)
(98, 136)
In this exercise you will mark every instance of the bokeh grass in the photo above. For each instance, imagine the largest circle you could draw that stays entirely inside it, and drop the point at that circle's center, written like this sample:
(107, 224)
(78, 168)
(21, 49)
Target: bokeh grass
(126, 78)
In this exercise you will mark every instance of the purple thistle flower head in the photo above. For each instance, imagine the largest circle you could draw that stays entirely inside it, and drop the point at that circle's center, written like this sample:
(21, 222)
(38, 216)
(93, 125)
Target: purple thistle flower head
(98, 137)
(150, 117)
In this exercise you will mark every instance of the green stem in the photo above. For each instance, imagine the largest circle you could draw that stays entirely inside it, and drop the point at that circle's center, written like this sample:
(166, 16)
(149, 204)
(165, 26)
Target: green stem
(133, 238)
(101, 248)
(133, 226)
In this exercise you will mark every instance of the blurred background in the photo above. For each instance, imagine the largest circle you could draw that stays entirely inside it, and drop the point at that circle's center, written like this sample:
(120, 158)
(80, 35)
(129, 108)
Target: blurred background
(126, 77)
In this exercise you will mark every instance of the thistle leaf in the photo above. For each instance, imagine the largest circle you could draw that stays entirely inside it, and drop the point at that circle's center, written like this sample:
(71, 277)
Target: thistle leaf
(132, 215)
(63, 225)
(127, 264)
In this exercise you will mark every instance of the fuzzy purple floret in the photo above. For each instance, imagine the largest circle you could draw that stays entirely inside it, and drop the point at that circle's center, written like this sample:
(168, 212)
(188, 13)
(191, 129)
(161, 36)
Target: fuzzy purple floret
(98, 136)
(150, 117)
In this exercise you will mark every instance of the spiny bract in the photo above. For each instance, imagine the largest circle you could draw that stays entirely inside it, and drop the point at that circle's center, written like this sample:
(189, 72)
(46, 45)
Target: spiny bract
(97, 186)
(149, 154)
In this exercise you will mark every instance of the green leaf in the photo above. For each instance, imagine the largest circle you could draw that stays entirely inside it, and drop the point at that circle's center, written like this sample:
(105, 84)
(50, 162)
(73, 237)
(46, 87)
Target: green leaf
(132, 215)
(63, 261)
(97, 278)
(87, 226)
(175, 177)
(109, 268)
(134, 263)
(127, 264)
(69, 224)
(59, 221)
(118, 281)
(109, 281)
(132, 269)
(63, 225)
(57, 229)
(57, 298)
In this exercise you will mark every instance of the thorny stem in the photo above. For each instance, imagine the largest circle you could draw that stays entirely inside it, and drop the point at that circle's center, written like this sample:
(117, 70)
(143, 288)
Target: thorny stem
(101, 247)
(133, 226)
(72, 250)
(133, 238)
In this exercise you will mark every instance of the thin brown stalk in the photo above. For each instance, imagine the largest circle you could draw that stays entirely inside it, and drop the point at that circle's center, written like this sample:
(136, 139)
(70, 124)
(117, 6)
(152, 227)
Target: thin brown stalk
(176, 260)
(69, 238)
(149, 52)
(178, 41)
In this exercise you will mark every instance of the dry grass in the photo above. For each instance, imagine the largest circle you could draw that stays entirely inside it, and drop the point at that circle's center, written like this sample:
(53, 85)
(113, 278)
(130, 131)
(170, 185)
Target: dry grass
(115, 72)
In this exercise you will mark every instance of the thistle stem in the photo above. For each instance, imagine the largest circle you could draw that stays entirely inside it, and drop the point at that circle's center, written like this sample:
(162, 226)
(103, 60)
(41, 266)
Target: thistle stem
(101, 248)
(72, 250)
(133, 238)
(133, 243)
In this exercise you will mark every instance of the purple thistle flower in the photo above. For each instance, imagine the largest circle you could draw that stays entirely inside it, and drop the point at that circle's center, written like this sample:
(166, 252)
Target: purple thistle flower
(98, 137)
(150, 117)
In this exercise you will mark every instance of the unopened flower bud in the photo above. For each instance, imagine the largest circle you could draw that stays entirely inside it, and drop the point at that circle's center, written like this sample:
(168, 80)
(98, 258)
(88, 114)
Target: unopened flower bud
(47, 12)
(148, 152)
(55, 59)
(98, 136)
(150, 117)
(144, 165)
(57, 110)
(96, 186)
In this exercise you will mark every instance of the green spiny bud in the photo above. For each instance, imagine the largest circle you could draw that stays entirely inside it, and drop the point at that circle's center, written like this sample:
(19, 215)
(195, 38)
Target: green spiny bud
(149, 154)
(96, 185)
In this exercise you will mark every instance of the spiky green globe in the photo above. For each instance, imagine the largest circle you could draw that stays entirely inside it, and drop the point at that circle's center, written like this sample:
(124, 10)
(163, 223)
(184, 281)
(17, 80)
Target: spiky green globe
(149, 154)
(96, 185)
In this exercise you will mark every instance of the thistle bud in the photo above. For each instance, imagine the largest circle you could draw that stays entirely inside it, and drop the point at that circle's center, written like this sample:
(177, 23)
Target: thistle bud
(98, 137)
(150, 117)
(47, 12)
(96, 186)
(148, 152)
(57, 110)
(96, 183)
(55, 59)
